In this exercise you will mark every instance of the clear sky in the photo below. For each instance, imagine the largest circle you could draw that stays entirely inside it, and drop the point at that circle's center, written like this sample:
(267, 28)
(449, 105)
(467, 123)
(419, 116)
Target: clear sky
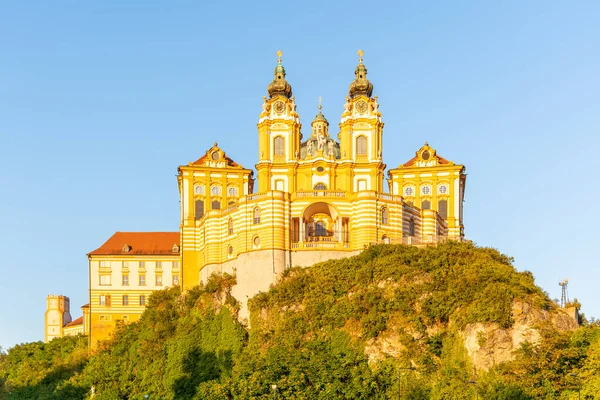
(101, 101)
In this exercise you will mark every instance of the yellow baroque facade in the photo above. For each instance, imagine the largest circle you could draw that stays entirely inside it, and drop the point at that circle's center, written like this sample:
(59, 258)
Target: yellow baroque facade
(317, 198)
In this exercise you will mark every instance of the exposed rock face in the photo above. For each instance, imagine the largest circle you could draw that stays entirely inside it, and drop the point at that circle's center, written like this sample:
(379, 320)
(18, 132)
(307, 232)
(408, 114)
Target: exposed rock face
(488, 344)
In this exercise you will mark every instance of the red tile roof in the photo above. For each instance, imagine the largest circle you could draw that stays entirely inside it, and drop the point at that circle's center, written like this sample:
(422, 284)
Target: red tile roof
(78, 321)
(140, 243)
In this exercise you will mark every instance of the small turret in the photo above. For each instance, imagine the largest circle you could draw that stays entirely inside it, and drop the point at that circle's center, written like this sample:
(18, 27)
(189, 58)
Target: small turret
(320, 125)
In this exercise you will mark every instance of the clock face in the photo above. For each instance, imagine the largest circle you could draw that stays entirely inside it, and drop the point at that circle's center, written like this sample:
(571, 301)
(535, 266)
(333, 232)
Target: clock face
(361, 107)
(199, 189)
(279, 107)
(425, 155)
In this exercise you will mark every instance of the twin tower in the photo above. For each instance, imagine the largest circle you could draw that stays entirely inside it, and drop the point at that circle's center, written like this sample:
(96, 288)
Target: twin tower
(315, 199)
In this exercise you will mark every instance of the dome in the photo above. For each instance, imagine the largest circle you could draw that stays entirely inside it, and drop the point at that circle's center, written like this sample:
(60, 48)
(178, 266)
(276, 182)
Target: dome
(360, 86)
(279, 86)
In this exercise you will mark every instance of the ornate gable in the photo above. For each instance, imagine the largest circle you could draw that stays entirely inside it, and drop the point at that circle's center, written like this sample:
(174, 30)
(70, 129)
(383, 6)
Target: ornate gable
(426, 156)
(215, 157)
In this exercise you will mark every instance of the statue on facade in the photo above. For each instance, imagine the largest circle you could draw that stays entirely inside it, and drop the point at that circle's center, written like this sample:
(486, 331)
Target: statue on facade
(309, 147)
(330, 148)
(264, 104)
(375, 105)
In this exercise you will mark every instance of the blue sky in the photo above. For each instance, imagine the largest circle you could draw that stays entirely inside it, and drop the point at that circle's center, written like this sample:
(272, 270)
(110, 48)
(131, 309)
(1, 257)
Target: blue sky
(101, 101)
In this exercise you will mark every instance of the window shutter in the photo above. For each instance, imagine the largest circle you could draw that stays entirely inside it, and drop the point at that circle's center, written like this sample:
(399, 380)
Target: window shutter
(199, 209)
(443, 208)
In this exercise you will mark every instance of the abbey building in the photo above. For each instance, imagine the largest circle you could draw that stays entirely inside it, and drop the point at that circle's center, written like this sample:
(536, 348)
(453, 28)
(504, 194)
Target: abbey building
(319, 193)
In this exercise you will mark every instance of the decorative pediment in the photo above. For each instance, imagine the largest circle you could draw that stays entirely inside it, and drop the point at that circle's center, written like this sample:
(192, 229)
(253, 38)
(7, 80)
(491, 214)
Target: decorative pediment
(279, 126)
(426, 156)
(216, 157)
(361, 125)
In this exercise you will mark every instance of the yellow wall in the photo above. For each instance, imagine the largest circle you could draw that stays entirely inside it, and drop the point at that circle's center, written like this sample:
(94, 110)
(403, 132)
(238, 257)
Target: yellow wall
(104, 318)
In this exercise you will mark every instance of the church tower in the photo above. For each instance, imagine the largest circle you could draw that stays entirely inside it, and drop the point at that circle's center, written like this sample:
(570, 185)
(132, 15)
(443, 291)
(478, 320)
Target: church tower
(361, 133)
(278, 131)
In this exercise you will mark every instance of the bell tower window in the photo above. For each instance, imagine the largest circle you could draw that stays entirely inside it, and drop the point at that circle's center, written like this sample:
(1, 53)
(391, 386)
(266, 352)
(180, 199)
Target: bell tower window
(361, 146)
(279, 146)
(426, 205)
(320, 186)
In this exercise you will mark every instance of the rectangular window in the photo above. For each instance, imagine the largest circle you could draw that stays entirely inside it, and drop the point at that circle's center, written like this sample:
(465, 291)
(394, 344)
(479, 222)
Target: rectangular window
(158, 264)
(105, 300)
(105, 280)
(443, 208)
(142, 300)
(125, 264)
(199, 209)
(279, 146)
(175, 264)
(142, 265)
(125, 280)
(125, 300)
(361, 146)
(142, 280)
(158, 280)
(102, 264)
(175, 280)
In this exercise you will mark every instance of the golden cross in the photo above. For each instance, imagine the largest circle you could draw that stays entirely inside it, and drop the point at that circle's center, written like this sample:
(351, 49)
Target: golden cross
(279, 54)
(320, 101)
(360, 56)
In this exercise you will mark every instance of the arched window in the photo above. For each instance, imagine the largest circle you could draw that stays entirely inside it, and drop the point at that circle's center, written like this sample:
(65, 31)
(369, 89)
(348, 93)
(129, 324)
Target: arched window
(320, 229)
(411, 227)
(199, 209)
(230, 226)
(257, 215)
(216, 205)
(279, 146)
(320, 186)
(443, 208)
(361, 146)
(425, 205)
(384, 216)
